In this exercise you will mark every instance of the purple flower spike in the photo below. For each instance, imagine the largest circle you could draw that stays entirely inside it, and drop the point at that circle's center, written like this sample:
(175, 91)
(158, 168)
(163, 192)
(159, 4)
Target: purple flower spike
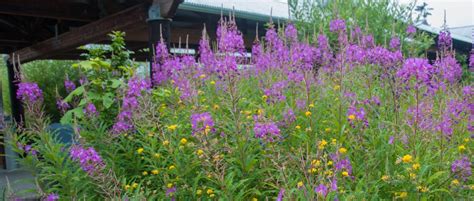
(29, 92)
(321, 190)
(267, 131)
(202, 122)
(88, 159)
(52, 197)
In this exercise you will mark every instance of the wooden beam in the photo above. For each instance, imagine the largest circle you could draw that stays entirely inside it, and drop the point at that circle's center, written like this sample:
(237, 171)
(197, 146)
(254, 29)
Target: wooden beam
(55, 9)
(91, 33)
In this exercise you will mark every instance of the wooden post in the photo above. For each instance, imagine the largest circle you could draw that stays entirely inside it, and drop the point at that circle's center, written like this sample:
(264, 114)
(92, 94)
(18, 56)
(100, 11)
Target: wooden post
(14, 79)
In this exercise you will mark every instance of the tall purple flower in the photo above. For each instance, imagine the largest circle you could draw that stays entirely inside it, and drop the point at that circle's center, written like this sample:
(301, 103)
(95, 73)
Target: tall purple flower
(291, 33)
(321, 190)
(462, 168)
(202, 122)
(29, 92)
(52, 197)
(280, 194)
(88, 159)
(411, 30)
(337, 25)
(444, 39)
(267, 131)
(418, 69)
(395, 43)
(90, 110)
(471, 60)
(69, 85)
(275, 93)
(62, 105)
(449, 69)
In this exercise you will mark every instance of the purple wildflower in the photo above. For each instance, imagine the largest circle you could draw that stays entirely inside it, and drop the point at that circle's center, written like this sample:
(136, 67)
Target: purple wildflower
(321, 190)
(462, 168)
(291, 33)
(395, 43)
(52, 197)
(471, 60)
(62, 105)
(29, 92)
(445, 40)
(449, 69)
(90, 110)
(419, 69)
(275, 93)
(411, 30)
(202, 122)
(267, 131)
(280, 194)
(69, 85)
(337, 25)
(88, 159)
(391, 140)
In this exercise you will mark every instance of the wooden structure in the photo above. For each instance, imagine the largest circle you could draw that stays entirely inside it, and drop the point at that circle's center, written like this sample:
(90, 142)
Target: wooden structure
(54, 29)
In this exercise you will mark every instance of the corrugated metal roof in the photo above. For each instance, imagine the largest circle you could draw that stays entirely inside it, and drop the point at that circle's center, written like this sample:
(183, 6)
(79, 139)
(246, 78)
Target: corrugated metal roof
(248, 9)
(454, 35)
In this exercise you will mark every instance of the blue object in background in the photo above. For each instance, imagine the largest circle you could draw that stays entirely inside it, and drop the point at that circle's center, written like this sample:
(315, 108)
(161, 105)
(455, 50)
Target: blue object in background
(64, 133)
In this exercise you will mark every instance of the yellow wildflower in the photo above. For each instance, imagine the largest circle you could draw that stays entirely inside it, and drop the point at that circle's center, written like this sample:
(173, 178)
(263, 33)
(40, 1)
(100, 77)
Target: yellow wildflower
(213, 82)
(212, 195)
(170, 185)
(333, 141)
(202, 76)
(166, 143)
(134, 185)
(183, 141)
(342, 150)
(322, 144)
(254, 199)
(455, 182)
(171, 167)
(345, 173)
(313, 170)
(264, 97)
(144, 173)
(172, 127)
(403, 195)
(328, 130)
(330, 163)
(351, 117)
(412, 175)
(416, 166)
(422, 189)
(307, 113)
(155, 172)
(311, 105)
(209, 191)
(297, 127)
(199, 192)
(140, 150)
(337, 87)
(215, 107)
(157, 155)
(385, 177)
(316, 163)
(407, 158)
(199, 152)
(127, 187)
(300, 184)
(461, 148)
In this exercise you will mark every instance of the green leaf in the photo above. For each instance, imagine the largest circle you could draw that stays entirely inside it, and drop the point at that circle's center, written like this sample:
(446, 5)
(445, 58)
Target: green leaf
(108, 100)
(76, 92)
